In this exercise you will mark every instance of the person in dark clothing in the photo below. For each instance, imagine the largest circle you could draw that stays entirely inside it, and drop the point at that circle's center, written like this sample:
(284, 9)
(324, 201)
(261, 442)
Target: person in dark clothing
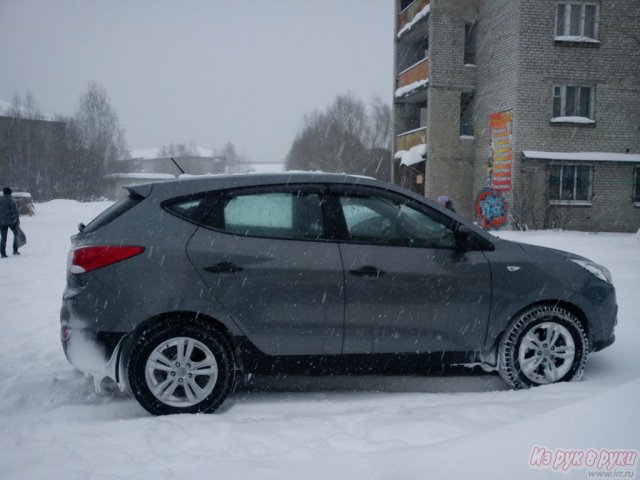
(9, 219)
(446, 202)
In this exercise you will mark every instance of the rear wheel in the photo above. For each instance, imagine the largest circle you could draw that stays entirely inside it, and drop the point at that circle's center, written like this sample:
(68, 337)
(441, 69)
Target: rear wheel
(545, 344)
(181, 367)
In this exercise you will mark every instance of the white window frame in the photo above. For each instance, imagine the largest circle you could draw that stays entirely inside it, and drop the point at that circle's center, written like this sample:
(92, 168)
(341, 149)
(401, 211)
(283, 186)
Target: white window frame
(563, 100)
(562, 166)
(566, 28)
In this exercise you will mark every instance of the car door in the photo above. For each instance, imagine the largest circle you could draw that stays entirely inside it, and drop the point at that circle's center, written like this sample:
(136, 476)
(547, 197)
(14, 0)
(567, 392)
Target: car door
(408, 288)
(265, 256)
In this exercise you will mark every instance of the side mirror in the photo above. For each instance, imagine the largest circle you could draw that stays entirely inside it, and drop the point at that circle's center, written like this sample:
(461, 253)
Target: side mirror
(464, 238)
(81, 227)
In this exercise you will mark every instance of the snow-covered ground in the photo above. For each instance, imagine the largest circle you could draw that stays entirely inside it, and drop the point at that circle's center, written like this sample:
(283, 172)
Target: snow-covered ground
(54, 426)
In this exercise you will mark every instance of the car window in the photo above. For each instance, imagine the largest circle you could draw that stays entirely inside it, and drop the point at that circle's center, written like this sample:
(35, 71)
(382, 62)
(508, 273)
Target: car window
(385, 221)
(193, 208)
(290, 215)
(113, 212)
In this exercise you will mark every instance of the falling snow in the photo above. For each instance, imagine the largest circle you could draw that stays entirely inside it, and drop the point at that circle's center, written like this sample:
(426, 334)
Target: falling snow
(458, 426)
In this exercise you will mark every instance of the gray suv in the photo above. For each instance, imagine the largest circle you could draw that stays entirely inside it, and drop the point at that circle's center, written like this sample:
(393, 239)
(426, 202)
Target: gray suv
(181, 287)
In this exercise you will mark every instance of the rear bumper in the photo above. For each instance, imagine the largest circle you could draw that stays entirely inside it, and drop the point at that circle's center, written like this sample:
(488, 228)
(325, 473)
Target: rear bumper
(95, 354)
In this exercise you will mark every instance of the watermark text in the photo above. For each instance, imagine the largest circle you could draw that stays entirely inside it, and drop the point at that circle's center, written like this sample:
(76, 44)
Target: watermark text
(593, 460)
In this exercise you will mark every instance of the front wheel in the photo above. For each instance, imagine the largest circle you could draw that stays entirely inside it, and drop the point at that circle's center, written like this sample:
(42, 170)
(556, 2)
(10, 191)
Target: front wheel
(181, 367)
(545, 344)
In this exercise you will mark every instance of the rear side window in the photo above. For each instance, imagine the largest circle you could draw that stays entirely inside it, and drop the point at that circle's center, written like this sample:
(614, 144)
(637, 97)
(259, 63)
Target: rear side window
(113, 212)
(293, 215)
(194, 208)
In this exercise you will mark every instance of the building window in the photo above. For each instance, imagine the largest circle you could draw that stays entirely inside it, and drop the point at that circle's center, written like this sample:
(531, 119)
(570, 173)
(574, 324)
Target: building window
(572, 101)
(570, 184)
(470, 36)
(636, 187)
(405, 3)
(577, 20)
(466, 114)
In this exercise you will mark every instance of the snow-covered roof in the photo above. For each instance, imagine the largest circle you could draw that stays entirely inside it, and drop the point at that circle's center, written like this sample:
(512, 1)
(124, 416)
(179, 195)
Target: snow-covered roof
(142, 176)
(266, 167)
(154, 152)
(583, 156)
(7, 107)
(412, 156)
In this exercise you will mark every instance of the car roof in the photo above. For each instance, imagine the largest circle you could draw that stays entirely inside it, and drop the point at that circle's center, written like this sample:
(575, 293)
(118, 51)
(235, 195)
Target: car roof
(188, 184)
(193, 184)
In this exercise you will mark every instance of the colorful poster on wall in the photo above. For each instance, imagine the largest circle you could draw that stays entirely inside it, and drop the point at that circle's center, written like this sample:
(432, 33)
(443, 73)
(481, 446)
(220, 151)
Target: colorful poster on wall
(501, 150)
(491, 209)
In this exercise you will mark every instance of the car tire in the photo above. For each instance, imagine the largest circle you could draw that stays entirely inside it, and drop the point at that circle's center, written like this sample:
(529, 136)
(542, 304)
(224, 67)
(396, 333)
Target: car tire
(184, 366)
(545, 344)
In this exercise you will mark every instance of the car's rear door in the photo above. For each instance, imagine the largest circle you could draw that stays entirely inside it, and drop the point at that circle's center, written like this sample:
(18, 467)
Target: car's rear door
(408, 288)
(265, 256)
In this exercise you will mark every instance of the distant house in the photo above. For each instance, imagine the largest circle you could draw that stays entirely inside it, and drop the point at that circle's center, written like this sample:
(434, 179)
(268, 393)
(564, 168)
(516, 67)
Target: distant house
(149, 160)
(150, 165)
(31, 153)
(146, 165)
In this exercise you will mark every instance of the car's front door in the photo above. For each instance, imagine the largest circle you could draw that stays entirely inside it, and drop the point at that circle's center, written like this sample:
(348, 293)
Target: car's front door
(408, 288)
(265, 257)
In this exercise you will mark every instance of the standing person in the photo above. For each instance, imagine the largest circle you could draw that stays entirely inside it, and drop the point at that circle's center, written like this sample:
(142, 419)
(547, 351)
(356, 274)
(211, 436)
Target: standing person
(9, 219)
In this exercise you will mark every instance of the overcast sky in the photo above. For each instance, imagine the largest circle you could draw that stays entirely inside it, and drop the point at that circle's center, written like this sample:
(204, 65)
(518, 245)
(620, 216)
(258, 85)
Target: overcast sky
(244, 71)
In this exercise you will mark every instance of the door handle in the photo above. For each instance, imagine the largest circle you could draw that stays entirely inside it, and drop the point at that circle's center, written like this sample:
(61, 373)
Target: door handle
(223, 267)
(367, 271)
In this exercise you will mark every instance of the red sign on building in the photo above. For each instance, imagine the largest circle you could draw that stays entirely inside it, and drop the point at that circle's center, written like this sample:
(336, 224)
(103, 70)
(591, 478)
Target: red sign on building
(501, 150)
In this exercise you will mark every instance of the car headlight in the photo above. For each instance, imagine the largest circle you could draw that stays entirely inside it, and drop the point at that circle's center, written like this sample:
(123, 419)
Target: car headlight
(598, 270)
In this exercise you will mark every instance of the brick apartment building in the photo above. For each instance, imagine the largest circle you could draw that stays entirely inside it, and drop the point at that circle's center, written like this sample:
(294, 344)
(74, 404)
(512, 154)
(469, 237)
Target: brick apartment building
(521, 110)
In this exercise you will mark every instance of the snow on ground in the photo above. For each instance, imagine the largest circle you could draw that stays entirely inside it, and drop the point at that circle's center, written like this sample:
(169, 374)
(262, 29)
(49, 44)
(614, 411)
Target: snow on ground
(468, 426)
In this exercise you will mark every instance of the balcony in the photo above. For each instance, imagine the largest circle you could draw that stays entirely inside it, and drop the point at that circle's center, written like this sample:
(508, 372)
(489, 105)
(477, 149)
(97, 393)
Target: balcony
(411, 15)
(411, 83)
(407, 140)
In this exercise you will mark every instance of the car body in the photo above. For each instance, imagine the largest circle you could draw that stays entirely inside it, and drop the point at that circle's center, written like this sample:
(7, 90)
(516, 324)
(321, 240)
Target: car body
(234, 273)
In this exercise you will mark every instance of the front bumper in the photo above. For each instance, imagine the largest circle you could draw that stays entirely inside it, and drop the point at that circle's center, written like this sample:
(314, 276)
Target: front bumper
(606, 332)
(602, 344)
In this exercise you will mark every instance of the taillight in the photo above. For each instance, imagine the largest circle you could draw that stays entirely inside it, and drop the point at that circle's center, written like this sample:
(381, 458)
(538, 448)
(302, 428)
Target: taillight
(86, 259)
(65, 333)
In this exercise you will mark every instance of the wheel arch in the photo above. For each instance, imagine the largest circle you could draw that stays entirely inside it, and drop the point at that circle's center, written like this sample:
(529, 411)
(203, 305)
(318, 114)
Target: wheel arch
(489, 354)
(176, 316)
(568, 306)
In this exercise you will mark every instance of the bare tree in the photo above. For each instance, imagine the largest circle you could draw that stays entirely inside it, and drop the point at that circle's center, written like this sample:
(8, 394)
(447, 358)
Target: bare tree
(380, 124)
(347, 137)
(25, 107)
(179, 150)
(97, 138)
(349, 114)
(234, 161)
